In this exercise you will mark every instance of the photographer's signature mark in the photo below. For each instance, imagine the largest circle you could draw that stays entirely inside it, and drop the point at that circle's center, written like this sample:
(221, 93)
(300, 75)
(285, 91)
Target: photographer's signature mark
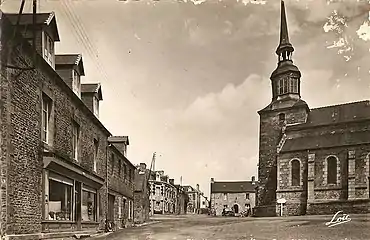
(336, 220)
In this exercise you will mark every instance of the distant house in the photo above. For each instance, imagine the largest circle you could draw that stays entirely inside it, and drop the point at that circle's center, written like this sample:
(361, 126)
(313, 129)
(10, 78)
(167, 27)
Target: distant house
(193, 205)
(163, 194)
(236, 196)
(141, 195)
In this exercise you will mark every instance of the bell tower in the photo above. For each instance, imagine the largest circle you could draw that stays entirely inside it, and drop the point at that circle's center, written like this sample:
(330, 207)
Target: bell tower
(286, 107)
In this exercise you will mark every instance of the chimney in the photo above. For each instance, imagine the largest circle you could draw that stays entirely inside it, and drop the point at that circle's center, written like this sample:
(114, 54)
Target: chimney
(197, 187)
(120, 142)
(172, 181)
(253, 180)
(212, 180)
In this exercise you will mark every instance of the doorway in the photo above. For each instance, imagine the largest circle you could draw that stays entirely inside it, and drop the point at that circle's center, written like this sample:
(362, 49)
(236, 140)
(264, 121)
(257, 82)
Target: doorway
(236, 208)
(110, 207)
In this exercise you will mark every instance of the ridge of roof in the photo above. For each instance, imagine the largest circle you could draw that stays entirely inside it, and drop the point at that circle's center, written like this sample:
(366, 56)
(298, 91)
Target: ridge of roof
(342, 104)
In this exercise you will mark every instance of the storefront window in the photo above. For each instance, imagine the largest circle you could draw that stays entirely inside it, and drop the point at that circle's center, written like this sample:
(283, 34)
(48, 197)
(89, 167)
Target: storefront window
(59, 206)
(89, 200)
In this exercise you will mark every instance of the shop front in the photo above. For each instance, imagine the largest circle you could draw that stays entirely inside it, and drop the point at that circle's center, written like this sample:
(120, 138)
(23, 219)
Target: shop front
(71, 197)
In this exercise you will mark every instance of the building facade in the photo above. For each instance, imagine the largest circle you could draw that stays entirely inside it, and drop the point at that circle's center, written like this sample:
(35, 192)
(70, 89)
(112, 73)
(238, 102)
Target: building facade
(141, 195)
(314, 160)
(204, 204)
(193, 205)
(55, 152)
(182, 200)
(236, 196)
(163, 194)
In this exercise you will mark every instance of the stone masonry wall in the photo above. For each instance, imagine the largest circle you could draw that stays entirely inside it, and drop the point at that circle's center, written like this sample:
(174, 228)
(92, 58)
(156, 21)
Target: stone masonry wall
(270, 136)
(296, 196)
(231, 199)
(21, 124)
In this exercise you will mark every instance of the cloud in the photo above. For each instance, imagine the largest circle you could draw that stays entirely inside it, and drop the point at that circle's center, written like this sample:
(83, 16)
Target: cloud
(218, 133)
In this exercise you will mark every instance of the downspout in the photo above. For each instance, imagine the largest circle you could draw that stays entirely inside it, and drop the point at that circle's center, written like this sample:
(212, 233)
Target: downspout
(107, 185)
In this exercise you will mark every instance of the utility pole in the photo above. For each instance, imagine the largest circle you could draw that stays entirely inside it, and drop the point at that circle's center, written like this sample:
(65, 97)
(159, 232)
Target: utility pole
(150, 174)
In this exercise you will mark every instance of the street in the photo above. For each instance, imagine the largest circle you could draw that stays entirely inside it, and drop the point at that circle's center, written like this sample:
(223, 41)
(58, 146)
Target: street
(202, 227)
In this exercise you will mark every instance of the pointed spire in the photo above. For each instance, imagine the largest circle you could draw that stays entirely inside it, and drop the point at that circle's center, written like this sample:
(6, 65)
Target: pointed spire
(284, 36)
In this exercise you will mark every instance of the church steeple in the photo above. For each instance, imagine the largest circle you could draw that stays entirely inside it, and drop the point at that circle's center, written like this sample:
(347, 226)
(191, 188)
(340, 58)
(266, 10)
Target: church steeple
(286, 77)
(284, 36)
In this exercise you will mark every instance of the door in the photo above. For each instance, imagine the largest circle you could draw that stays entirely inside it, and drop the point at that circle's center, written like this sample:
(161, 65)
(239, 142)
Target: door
(236, 208)
(110, 207)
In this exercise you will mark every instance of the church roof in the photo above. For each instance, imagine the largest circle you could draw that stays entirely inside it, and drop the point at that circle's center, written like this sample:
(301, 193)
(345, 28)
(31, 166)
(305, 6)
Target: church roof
(335, 114)
(330, 115)
(339, 113)
(326, 141)
(232, 187)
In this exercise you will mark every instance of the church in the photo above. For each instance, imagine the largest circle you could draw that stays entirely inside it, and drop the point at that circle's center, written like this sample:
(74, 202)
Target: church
(311, 161)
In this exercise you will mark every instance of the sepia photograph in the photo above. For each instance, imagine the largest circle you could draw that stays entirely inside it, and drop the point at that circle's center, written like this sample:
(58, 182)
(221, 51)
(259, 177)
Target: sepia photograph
(185, 119)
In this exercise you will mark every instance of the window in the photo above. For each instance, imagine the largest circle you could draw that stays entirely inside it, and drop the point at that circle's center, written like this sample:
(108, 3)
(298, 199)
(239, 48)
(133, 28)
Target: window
(124, 171)
(157, 191)
(332, 170)
(119, 208)
(48, 49)
(296, 177)
(112, 156)
(76, 83)
(129, 209)
(46, 108)
(281, 117)
(58, 205)
(89, 204)
(129, 175)
(287, 85)
(225, 196)
(96, 106)
(247, 195)
(119, 167)
(75, 139)
(96, 149)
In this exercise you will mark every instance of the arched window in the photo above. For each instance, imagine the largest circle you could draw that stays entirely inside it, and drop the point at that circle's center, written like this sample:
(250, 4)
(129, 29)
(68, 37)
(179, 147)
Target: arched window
(332, 170)
(296, 172)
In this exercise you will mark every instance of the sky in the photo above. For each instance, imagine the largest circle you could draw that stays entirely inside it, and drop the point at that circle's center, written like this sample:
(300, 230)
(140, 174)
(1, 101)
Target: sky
(185, 79)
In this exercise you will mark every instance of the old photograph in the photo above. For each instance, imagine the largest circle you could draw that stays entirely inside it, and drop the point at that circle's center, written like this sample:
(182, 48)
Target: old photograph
(185, 119)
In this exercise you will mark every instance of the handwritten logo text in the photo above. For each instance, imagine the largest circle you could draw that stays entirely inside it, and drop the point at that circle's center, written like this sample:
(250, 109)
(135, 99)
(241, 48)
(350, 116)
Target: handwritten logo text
(338, 219)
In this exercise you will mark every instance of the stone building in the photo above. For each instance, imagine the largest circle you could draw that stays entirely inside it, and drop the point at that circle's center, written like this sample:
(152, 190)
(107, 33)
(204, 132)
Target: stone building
(232, 195)
(54, 149)
(193, 205)
(141, 195)
(121, 182)
(163, 194)
(315, 159)
(204, 204)
(182, 200)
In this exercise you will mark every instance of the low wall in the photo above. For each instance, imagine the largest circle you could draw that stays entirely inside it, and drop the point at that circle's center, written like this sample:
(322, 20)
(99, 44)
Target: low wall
(331, 207)
(264, 211)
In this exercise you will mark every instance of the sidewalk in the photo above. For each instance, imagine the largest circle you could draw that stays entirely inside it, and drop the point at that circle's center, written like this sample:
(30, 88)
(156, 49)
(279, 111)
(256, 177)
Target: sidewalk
(106, 234)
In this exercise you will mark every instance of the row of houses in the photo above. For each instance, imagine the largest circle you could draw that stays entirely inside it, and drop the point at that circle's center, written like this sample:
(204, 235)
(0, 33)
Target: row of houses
(62, 171)
(156, 193)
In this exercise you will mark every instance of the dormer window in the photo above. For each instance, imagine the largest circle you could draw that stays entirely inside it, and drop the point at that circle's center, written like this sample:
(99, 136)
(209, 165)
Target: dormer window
(76, 83)
(48, 49)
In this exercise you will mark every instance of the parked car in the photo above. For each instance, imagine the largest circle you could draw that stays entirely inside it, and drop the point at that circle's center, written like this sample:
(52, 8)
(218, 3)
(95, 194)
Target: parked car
(227, 212)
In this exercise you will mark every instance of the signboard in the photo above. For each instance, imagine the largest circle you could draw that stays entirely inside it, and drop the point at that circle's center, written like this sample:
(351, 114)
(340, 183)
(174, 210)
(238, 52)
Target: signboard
(281, 201)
